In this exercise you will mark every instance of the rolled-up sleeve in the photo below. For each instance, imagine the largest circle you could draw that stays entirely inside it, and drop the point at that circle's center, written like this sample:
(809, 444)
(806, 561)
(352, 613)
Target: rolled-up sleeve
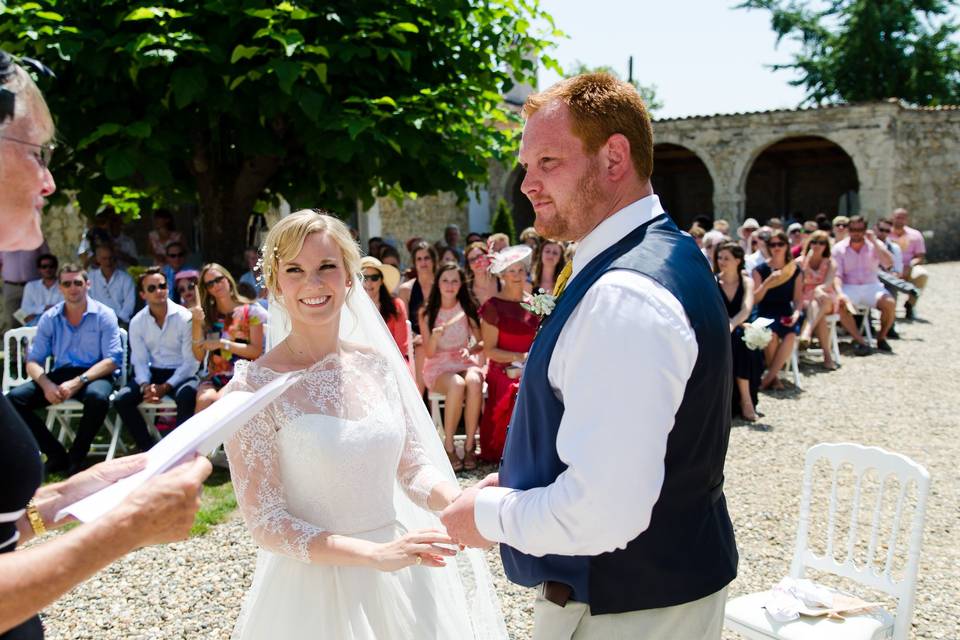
(110, 344)
(620, 366)
(188, 363)
(42, 347)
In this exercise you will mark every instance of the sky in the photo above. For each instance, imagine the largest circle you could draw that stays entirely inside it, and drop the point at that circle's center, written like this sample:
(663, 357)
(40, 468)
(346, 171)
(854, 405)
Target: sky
(703, 56)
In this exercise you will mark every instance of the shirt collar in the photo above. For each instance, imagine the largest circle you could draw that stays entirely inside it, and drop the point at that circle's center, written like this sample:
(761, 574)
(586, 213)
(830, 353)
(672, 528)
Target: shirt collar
(614, 228)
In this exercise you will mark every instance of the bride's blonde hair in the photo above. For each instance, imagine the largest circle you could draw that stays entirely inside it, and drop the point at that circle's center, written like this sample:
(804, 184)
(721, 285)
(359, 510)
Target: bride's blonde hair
(285, 240)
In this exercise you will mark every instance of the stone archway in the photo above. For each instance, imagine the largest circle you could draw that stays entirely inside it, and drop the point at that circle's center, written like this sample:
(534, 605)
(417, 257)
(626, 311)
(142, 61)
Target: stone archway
(683, 182)
(519, 204)
(800, 176)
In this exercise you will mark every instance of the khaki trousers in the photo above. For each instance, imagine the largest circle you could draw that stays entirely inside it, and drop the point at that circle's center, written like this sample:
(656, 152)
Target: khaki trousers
(697, 620)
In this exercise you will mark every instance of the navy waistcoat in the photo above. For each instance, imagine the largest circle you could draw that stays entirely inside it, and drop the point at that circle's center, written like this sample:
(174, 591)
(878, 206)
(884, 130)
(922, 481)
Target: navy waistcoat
(688, 550)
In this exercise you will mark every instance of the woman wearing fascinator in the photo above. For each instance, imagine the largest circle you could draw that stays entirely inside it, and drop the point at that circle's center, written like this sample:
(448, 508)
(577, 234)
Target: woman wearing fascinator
(339, 479)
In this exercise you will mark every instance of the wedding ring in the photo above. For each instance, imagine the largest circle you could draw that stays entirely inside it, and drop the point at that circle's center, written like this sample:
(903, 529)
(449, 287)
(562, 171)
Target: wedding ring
(419, 559)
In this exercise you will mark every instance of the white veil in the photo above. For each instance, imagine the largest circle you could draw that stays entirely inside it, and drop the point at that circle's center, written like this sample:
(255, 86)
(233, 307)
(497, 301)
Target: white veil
(468, 574)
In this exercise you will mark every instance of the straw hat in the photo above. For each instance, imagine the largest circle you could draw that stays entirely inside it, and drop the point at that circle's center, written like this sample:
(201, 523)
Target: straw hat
(509, 256)
(391, 275)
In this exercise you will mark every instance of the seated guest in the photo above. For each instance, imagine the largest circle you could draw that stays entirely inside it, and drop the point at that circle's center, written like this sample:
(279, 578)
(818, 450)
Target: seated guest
(449, 320)
(711, 240)
(508, 331)
(795, 233)
(249, 278)
(379, 280)
(777, 293)
(858, 260)
(914, 251)
(696, 232)
(414, 292)
(809, 226)
(111, 286)
(497, 242)
(97, 234)
(840, 224)
(482, 284)
(549, 260)
(175, 260)
(226, 327)
(374, 245)
(721, 225)
(83, 338)
(451, 238)
(530, 237)
(473, 236)
(758, 253)
(161, 352)
(17, 269)
(820, 297)
(390, 255)
(42, 293)
(775, 223)
(125, 249)
(745, 235)
(186, 284)
(737, 290)
(163, 234)
(447, 254)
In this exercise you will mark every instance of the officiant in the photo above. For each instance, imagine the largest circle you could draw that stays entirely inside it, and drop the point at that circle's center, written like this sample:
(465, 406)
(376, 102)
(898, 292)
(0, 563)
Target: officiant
(162, 510)
(610, 497)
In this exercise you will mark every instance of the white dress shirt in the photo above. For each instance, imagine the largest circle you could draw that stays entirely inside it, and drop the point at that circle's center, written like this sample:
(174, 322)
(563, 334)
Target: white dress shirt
(166, 347)
(37, 297)
(620, 367)
(119, 293)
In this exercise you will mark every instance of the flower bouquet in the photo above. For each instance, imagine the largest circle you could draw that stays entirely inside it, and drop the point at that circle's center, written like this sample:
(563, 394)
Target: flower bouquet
(757, 334)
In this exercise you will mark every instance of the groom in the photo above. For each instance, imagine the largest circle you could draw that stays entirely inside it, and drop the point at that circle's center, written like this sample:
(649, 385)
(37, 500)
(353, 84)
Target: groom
(610, 491)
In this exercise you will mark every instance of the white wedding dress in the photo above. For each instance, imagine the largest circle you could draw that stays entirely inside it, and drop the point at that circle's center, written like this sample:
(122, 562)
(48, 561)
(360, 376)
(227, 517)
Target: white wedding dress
(338, 453)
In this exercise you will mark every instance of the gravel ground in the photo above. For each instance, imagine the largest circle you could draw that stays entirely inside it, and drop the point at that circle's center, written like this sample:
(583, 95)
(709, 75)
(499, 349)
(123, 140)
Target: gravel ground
(905, 402)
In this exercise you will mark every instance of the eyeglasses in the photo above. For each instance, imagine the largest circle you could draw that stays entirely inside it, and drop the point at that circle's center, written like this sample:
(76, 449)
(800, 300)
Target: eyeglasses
(373, 277)
(48, 266)
(66, 284)
(176, 255)
(883, 229)
(45, 154)
(822, 242)
(153, 287)
(209, 284)
(774, 245)
(840, 225)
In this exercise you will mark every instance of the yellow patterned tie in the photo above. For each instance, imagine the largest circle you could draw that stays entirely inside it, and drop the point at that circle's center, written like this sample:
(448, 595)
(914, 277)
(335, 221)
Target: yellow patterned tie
(562, 279)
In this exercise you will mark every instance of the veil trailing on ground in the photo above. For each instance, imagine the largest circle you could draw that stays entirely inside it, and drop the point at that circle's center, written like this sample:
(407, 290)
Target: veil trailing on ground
(361, 324)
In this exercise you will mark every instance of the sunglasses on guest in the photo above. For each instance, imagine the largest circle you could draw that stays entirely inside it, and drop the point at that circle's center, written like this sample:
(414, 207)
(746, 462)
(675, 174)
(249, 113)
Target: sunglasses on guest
(153, 287)
(176, 255)
(47, 265)
(820, 242)
(774, 245)
(187, 286)
(840, 225)
(884, 229)
(79, 282)
(209, 284)
(373, 277)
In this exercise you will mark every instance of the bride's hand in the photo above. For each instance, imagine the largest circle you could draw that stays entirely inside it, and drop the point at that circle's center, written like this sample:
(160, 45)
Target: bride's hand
(404, 551)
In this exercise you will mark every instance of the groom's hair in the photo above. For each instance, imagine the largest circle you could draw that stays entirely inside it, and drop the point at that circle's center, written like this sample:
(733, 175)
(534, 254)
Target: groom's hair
(601, 105)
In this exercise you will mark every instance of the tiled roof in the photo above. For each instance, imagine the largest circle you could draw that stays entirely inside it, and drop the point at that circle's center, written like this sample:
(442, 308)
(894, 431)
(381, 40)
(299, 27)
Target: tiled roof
(842, 105)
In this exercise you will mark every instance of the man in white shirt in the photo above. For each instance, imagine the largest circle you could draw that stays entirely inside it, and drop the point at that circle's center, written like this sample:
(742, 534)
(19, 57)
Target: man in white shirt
(609, 496)
(112, 287)
(42, 293)
(161, 354)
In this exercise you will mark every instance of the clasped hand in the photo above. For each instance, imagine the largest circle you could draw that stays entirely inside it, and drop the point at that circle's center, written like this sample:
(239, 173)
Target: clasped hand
(458, 517)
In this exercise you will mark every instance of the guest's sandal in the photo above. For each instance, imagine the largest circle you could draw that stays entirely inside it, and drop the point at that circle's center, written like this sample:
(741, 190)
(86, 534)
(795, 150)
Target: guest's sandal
(455, 462)
(469, 460)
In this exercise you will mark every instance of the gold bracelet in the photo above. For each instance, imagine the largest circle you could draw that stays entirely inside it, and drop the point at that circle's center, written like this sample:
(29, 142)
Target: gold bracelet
(33, 516)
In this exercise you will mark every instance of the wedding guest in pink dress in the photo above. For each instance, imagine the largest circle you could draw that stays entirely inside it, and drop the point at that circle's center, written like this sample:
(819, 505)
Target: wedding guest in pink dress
(820, 297)
(449, 321)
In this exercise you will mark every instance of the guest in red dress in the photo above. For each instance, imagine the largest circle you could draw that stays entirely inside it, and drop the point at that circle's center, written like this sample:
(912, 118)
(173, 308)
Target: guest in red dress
(508, 331)
(379, 279)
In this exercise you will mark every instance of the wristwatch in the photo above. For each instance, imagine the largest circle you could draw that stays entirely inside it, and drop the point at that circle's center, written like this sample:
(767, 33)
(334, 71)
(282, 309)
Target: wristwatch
(84, 379)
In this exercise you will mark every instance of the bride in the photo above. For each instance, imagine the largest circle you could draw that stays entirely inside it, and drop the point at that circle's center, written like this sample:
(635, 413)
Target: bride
(339, 479)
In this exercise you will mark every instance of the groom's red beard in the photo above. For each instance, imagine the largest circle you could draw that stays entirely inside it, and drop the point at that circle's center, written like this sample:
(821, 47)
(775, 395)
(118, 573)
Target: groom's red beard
(571, 219)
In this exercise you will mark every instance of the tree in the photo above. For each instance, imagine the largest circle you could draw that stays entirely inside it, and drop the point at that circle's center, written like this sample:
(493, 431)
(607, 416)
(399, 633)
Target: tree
(503, 221)
(858, 50)
(647, 92)
(227, 101)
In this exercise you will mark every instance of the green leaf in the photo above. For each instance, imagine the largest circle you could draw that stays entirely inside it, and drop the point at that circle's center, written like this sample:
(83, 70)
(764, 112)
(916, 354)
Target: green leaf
(320, 69)
(49, 15)
(119, 165)
(143, 13)
(291, 40)
(385, 100)
(287, 74)
(186, 85)
(104, 130)
(407, 27)
(241, 52)
(140, 129)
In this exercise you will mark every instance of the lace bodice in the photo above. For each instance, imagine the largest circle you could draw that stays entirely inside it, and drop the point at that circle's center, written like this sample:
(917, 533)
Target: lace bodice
(328, 455)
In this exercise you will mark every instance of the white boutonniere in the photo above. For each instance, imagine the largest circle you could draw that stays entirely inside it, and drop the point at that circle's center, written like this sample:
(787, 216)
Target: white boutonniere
(756, 334)
(541, 304)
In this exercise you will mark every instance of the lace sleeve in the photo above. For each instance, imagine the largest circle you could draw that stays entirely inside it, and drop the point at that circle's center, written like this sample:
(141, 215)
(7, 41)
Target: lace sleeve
(415, 473)
(254, 469)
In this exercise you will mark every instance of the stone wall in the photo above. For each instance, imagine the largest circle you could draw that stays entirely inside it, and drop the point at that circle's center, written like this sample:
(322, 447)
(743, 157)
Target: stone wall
(425, 216)
(903, 156)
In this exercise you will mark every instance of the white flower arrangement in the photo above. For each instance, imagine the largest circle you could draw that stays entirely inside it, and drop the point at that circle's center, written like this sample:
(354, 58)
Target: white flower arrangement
(756, 334)
(541, 304)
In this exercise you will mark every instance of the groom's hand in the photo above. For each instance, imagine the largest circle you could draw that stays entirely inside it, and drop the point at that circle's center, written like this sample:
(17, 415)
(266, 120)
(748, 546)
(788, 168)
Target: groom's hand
(459, 520)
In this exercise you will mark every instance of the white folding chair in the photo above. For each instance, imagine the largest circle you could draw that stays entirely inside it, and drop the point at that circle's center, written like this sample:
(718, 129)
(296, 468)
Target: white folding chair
(834, 345)
(152, 411)
(62, 415)
(794, 364)
(865, 327)
(746, 614)
(16, 347)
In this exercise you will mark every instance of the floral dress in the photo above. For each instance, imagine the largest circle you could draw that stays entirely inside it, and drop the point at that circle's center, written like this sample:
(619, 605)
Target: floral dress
(236, 328)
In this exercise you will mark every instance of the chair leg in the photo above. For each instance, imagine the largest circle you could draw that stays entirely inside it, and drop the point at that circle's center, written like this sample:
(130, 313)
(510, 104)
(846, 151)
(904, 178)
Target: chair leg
(435, 414)
(795, 363)
(113, 426)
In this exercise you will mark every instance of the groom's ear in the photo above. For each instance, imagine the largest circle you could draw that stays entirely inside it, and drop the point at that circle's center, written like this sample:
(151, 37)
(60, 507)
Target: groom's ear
(615, 154)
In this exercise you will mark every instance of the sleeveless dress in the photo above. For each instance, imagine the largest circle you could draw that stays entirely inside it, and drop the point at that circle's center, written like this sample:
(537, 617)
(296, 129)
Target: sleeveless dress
(813, 278)
(447, 358)
(747, 364)
(417, 298)
(326, 458)
(517, 328)
(778, 302)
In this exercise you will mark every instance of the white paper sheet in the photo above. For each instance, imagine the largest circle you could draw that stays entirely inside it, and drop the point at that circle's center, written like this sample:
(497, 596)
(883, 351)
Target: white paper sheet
(201, 434)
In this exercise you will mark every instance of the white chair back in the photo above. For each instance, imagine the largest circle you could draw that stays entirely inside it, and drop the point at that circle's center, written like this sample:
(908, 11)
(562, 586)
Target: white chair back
(861, 461)
(16, 347)
(124, 368)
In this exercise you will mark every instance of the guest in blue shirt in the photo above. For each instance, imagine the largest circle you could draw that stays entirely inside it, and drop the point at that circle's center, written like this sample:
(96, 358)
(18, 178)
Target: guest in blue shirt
(83, 338)
(161, 352)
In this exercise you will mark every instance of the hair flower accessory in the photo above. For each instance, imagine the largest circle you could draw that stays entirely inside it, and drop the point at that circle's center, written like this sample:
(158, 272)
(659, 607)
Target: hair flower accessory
(541, 304)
